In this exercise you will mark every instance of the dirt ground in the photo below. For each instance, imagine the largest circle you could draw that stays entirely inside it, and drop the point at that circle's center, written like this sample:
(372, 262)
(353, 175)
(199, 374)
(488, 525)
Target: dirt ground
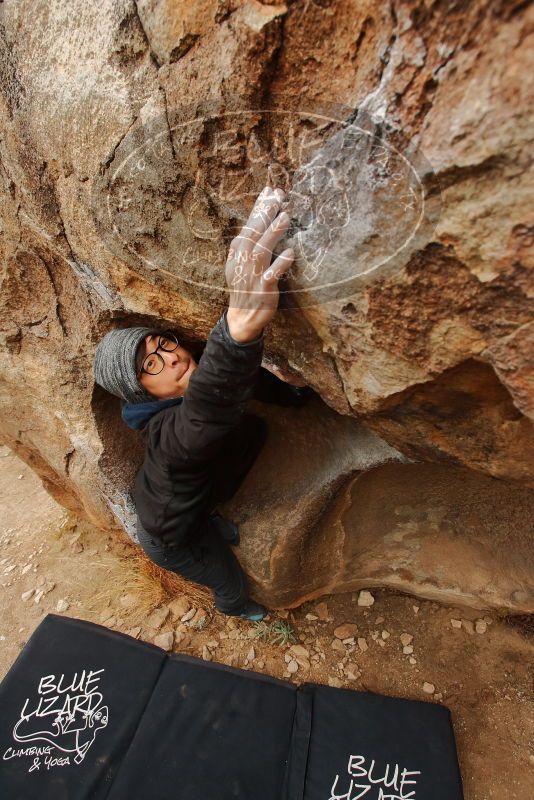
(482, 671)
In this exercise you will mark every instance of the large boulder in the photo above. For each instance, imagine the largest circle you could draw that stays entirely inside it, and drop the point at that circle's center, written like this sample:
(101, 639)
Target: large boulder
(345, 513)
(134, 138)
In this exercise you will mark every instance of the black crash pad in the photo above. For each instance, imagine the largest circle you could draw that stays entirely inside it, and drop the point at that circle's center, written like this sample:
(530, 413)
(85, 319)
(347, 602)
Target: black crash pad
(87, 713)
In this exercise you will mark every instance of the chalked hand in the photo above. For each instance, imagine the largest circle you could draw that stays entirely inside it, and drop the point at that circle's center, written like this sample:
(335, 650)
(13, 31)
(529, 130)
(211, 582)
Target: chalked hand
(250, 276)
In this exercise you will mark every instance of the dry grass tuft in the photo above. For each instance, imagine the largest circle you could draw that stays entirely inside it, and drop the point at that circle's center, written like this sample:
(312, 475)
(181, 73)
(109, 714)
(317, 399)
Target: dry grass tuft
(149, 587)
(172, 584)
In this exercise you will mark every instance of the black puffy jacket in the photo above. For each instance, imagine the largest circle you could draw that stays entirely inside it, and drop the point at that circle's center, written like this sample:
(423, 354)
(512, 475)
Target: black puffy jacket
(174, 481)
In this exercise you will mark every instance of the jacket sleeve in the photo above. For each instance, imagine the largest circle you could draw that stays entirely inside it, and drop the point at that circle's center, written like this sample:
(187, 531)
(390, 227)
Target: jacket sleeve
(216, 397)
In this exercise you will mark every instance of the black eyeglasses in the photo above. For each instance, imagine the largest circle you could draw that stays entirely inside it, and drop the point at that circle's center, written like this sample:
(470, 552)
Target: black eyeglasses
(153, 363)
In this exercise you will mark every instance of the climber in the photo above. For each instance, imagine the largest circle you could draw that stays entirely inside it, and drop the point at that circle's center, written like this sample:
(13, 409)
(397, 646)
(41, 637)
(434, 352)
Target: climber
(200, 441)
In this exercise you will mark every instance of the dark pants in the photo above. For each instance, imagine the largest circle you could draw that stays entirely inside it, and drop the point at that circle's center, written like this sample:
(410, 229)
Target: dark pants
(208, 559)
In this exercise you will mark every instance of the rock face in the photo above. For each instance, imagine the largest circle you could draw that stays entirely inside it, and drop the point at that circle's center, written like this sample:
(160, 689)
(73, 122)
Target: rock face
(441, 532)
(132, 146)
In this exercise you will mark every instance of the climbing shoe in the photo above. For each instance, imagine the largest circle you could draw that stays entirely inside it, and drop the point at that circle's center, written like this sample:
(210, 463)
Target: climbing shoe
(254, 611)
(228, 530)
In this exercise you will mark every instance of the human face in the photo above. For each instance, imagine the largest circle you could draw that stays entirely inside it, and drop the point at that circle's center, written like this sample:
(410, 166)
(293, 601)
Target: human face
(173, 379)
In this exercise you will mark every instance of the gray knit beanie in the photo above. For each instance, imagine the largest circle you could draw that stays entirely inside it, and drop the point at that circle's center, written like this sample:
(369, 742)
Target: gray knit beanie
(114, 363)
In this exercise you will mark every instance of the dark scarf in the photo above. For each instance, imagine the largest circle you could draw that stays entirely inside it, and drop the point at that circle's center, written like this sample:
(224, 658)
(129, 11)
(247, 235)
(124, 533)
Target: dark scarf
(137, 415)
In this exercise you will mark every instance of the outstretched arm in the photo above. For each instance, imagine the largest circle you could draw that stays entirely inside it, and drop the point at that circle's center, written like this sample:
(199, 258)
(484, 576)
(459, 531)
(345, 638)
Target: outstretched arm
(216, 397)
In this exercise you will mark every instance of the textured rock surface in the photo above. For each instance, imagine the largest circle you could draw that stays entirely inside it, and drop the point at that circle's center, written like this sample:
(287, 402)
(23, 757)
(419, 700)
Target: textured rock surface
(431, 352)
(441, 532)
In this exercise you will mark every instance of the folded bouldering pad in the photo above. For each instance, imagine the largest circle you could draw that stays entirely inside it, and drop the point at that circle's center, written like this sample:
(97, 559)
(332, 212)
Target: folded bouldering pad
(87, 713)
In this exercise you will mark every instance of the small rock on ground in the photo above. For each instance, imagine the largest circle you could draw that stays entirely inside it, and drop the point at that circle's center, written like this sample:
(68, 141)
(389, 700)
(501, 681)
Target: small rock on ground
(157, 618)
(346, 631)
(164, 640)
(365, 599)
(337, 644)
(199, 618)
(322, 611)
(299, 650)
(206, 655)
(335, 682)
(468, 626)
(189, 615)
(179, 606)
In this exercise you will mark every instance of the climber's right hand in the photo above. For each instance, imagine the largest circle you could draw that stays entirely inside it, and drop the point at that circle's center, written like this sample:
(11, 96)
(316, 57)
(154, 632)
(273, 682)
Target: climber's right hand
(251, 278)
